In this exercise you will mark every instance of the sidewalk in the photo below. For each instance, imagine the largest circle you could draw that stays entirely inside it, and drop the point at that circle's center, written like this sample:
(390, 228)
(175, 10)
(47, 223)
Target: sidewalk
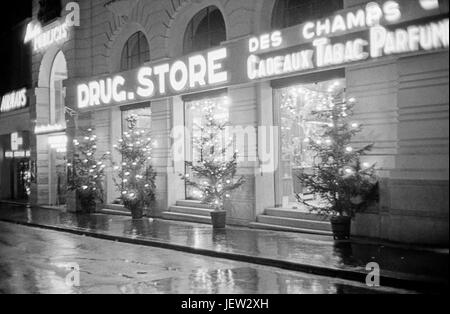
(422, 270)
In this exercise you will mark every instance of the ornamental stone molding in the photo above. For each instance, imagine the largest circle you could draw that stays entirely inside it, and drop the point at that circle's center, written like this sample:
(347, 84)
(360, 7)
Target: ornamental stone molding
(121, 8)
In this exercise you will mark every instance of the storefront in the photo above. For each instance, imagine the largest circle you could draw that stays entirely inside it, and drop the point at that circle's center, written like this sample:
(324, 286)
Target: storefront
(48, 36)
(16, 167)
(15, 163)
(265, 80)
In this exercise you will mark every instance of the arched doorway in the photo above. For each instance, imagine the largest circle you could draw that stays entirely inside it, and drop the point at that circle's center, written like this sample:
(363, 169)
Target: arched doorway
(58, 141)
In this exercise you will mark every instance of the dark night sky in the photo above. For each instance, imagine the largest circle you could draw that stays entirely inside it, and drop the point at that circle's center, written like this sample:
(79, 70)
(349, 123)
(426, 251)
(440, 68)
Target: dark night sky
(14, 11)
(14, 65)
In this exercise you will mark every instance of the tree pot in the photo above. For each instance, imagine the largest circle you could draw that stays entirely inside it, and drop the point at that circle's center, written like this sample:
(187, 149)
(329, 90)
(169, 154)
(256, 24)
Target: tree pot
(137, 212)
(85, 205)
(219, 219)
(341, 227)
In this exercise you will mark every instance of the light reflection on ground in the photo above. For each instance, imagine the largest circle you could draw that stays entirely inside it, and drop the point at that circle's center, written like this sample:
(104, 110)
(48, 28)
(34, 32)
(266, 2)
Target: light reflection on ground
(36, 261)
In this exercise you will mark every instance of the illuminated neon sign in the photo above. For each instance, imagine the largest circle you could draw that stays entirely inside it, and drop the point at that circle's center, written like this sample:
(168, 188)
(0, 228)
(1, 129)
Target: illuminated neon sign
(14, 100)
(360, 33)
(373, 14)
(197, 72)
(17, 154)
(59, 31)
(370, 39)
(58, 142)
(16, 147)
(50, 128)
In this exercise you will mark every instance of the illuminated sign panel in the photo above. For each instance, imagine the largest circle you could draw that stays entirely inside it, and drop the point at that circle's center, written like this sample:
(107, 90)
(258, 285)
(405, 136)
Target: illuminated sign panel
(17, 154)
(188, 74)
(50, 128)
(356, 35)
(374, 30)
(58, 143)
(14, 100)
(18, 147)
(56, 33)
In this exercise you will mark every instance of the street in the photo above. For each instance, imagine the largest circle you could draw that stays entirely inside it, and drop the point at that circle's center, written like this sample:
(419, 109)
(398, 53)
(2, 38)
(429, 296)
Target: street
(36, 260)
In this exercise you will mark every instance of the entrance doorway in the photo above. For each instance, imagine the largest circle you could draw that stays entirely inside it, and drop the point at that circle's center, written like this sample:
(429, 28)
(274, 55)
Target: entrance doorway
(57, 142)
(294, 106)
(19, 180)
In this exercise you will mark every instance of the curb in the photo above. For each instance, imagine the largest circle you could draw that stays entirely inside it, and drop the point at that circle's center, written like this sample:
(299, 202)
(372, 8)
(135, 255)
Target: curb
(402, 282)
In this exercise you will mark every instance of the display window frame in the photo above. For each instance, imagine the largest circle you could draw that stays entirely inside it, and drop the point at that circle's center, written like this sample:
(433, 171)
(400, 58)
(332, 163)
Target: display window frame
(188, 147)
(280, 185)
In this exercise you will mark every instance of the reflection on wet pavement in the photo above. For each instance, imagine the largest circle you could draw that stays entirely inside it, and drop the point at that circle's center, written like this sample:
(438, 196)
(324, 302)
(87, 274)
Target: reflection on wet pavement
(35, 261)
(298, 248)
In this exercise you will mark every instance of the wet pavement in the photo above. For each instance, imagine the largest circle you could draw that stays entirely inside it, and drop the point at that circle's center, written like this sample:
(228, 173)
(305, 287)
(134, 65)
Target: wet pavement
(35, 261)
(314, 250)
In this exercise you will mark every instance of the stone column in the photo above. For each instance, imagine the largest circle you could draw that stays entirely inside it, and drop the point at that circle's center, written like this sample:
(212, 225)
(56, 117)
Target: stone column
(243, 116)
(375, 88)
(161, 127)
(267, 149)
(176, 166)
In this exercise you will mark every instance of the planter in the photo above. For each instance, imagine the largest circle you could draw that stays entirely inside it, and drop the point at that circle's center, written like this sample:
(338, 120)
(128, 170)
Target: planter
(219, 219)
(86, 204)
(341, 227)
(137, 212)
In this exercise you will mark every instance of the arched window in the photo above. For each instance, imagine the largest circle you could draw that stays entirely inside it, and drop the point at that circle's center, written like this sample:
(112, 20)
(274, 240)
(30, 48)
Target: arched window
(135, 52)
(292, 12)
(57, 92)
(205, 30)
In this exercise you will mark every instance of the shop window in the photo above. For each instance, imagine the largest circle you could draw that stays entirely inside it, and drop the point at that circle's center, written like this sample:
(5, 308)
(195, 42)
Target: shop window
(205, 30)
(143, 114)
(49, 10)
(196, 121)
(293, 12)
(135, 52)
(295, 105)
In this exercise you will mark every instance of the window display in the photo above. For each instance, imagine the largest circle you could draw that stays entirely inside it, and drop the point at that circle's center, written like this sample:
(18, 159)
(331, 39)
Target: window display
(196, 123)
(297, 127)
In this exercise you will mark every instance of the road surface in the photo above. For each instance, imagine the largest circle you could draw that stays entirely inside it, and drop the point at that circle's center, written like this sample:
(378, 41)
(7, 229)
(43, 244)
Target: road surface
(39, 261)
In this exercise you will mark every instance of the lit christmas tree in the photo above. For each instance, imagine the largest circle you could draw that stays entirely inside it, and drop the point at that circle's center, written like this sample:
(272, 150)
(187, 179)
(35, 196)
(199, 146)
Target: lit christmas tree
(213, 174)
(87, 171)
(136, 177)
(341, 182)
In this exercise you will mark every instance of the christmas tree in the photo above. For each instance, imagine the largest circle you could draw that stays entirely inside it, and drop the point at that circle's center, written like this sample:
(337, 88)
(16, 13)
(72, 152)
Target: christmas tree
(340, 181)
(136, 177)
(87, 171)
(213, 175)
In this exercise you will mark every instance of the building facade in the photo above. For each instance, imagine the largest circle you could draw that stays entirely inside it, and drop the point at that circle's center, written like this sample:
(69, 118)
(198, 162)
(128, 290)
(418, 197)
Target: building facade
(266, 65)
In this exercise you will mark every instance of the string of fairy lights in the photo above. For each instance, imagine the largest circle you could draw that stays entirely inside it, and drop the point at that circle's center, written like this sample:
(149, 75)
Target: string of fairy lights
(136, 149)
(298, 126)
(210, 174)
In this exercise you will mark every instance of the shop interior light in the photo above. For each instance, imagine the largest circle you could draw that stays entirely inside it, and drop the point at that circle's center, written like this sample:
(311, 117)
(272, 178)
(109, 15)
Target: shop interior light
(58, 142)
(17, 154)
(49, 128)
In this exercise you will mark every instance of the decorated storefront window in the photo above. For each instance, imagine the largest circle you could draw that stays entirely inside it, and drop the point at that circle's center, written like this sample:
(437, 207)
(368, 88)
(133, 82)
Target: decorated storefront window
(297, 128)
(198, 123)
